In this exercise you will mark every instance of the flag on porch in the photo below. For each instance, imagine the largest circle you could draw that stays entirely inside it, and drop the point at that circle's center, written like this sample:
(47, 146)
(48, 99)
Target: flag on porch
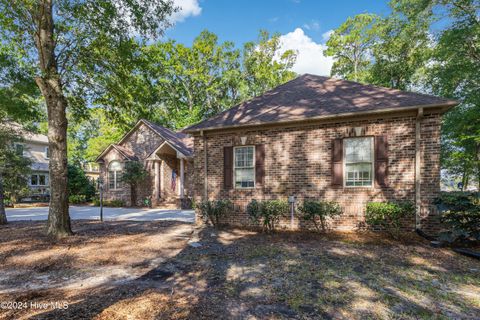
(174, 180)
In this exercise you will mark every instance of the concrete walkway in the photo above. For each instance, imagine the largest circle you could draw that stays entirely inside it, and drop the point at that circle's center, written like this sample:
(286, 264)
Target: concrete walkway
(93, 213)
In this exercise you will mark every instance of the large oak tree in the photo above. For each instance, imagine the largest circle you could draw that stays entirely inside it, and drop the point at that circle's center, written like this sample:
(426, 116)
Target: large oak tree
(64, 40)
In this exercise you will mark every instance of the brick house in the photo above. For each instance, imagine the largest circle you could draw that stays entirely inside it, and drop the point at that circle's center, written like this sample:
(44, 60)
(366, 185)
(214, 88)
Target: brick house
(167, 157)
(324, 138)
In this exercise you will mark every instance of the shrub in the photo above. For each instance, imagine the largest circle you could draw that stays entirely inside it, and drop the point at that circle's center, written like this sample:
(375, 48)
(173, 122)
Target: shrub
(268, 212)
(319, 211)
(460, 211)
(79, 183)
(388, 215)
(213, 210)
(77, 199)
(109, 203)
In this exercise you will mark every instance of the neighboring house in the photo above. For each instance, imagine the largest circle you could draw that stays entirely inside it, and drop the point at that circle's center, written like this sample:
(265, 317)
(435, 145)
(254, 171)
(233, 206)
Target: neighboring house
(167, 157)
(324, 138)
(35, 147)
(92, 171)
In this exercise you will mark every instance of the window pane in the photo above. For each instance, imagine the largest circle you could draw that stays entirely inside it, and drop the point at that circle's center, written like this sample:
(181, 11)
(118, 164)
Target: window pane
(244, 178)
(358, 149)
(19, 149)
(243, 157)
(115, 166)
(358, 174)
(42, 180)
(111, 180)
(34, 180)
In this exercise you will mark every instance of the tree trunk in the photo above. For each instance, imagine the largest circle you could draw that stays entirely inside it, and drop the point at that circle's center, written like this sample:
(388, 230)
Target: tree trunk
(3, 215)
(50, 85)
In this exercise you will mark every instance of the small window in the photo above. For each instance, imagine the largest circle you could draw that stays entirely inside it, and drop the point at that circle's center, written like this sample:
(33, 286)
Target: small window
(42, 180)
(34, 180)
(115, 175)
(47, 153)
(244, 165)
(19, 149)
(358, 162)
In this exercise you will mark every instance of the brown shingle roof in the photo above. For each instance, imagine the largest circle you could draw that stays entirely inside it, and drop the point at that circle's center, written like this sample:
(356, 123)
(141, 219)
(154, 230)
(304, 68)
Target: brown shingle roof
(310, 96)
(181, 141)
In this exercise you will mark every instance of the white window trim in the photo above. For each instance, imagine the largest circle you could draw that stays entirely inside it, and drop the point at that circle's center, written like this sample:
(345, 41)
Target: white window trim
(235, 169)
(115, 182)
(345, 162)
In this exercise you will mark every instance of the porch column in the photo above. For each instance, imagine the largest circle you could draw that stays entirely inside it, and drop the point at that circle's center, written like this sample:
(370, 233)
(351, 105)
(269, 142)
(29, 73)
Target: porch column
(182, 178)
(157, 181)
(162, 180)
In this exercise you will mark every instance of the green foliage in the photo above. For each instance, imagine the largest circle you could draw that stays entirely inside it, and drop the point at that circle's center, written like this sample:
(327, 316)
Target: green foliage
(461, 214)
(388, 215)
(115, 203)
(175, 85)
(14, 168)
(268, 212)
(77, 199)
(134, 173)
(263, 66)
(319, 211)
(351, 44)
(214, 210)
(79, 184)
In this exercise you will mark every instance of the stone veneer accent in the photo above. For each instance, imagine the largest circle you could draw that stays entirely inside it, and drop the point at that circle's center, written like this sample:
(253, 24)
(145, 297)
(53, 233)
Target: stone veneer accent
(143, 142)
(298, 162)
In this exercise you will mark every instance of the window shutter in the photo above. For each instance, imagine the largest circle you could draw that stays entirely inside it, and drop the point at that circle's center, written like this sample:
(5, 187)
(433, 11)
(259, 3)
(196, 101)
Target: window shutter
(260, 164)
(337, 162)
(381, 160)
(228, 167)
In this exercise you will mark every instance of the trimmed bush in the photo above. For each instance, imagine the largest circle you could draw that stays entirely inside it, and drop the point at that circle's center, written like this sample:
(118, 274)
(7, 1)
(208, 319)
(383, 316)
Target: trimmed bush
(212, 211)
(267, 212)
(460, 212)
(77, 199)
(389, 215)
(109, 203)
(319, 211)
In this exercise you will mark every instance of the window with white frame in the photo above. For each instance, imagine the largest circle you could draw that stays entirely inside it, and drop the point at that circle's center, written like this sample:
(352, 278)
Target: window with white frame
(244, 167)
(47, 153)
(114, 175)
(358, 159)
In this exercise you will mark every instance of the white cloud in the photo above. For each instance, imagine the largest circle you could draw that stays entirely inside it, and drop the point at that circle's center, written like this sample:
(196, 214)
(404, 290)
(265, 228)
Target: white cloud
(313, 25)
(310, 58)
(187, 8)
(326, 35)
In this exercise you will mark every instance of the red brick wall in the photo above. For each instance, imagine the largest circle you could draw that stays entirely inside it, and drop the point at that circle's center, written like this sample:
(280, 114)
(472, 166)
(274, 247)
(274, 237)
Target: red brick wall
(298, 162)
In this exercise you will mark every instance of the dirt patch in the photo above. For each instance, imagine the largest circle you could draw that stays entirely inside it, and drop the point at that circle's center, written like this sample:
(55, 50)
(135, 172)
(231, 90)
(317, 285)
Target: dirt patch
(148, 271)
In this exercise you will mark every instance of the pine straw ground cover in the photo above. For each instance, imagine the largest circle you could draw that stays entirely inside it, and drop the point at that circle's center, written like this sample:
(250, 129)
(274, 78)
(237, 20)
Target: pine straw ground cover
(147, 270)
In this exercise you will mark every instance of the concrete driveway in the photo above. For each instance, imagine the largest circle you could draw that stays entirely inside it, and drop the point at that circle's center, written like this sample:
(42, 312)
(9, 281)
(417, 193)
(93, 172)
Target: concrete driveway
(93, 213)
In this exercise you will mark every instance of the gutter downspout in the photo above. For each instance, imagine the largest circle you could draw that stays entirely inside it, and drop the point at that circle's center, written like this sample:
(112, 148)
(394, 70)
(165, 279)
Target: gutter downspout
(418, 163)
(205, 181)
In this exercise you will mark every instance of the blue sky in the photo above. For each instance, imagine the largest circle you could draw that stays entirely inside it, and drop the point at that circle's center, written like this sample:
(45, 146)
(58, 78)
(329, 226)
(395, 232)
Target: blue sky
(304, 25)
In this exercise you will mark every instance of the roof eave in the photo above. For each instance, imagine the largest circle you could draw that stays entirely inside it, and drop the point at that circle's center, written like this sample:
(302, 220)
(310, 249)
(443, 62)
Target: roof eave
(445, 107)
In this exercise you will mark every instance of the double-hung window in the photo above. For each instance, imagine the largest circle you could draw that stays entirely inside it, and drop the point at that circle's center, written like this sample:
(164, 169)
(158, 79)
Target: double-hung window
(114, 175)
(39, 180)
(358, 162)
(244, 167)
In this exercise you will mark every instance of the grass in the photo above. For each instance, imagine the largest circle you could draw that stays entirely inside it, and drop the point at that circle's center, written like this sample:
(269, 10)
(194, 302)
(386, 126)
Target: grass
(244, 274)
